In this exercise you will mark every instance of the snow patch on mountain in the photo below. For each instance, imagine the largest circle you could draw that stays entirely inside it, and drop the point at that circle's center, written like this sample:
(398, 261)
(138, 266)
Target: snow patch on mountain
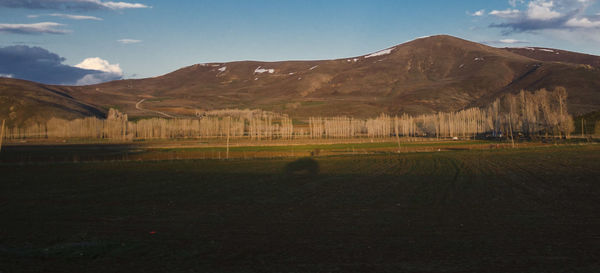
(380, 53)
(260, 70)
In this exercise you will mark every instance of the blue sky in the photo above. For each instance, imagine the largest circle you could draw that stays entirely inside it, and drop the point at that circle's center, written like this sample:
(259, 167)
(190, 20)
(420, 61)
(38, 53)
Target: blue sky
(153, 37)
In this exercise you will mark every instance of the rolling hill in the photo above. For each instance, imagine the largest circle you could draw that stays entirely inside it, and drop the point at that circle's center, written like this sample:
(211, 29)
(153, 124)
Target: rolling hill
(27, 102)
(438, 73)
(556, 55)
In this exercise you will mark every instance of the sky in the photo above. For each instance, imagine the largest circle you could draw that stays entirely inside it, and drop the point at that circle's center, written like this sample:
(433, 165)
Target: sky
(90, 41)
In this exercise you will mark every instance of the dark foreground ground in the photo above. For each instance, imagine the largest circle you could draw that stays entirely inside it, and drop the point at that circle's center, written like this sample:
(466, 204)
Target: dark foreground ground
(524, 210)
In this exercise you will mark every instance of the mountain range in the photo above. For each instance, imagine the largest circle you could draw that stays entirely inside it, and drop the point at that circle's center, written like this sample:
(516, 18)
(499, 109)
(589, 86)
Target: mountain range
(426, 75)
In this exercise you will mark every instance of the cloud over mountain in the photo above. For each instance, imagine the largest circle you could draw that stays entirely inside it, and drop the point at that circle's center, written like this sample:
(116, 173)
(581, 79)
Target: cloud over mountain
(546, 15)
(110, 71)
(505, 42)
(40, 65)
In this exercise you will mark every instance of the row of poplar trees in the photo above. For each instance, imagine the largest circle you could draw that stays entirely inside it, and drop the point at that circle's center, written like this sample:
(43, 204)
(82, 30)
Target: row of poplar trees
(540, 113)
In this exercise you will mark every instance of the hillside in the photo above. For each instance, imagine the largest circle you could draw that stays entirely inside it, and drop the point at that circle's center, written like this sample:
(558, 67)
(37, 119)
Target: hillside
(23, 101)
(556, 55)
(439, 73)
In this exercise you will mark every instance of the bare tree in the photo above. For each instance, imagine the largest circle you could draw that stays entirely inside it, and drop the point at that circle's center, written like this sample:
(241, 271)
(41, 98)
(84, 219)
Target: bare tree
(2, 133)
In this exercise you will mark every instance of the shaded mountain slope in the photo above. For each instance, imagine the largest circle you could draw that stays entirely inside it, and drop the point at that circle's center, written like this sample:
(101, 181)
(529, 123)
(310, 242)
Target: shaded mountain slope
(23, 101)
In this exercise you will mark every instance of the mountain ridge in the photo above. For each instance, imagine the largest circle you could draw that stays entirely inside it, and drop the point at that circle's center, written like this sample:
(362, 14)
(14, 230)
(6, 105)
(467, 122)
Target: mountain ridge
(437, 73)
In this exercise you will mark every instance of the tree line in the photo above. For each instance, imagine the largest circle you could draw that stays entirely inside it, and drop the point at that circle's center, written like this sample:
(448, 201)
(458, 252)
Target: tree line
(532, 114)
(541, 113)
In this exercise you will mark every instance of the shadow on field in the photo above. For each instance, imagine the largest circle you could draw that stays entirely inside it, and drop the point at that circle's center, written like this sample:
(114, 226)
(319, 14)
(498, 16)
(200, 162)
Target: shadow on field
(513, 210)
(302, 168)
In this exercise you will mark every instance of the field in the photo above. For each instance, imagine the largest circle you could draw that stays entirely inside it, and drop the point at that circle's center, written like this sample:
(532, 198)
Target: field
(153, 150)
(358, 207)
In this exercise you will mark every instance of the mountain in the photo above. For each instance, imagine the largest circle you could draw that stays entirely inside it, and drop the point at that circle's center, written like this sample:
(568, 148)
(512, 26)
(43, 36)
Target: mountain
(28, 102)
(438, 73)
(556, 55)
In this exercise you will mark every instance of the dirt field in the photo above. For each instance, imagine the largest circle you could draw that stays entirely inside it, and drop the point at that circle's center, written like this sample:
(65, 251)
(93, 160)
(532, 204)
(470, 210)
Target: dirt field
(31, 152)
(533, 209)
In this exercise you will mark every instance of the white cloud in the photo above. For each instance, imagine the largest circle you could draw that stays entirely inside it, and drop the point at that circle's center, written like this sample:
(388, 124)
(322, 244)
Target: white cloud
(6, 75)
(582, 23)
(111, 71)
(67, 16)
(71, 4)
(478, 13)
(97, 63)
(512, 41)
(129, 41)
(513, 3)
(505, 42)
(535, 15)
(36, 28)
(122, 5)
(542, 10)
(40, 65)
(90, 79)
(508, 13)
